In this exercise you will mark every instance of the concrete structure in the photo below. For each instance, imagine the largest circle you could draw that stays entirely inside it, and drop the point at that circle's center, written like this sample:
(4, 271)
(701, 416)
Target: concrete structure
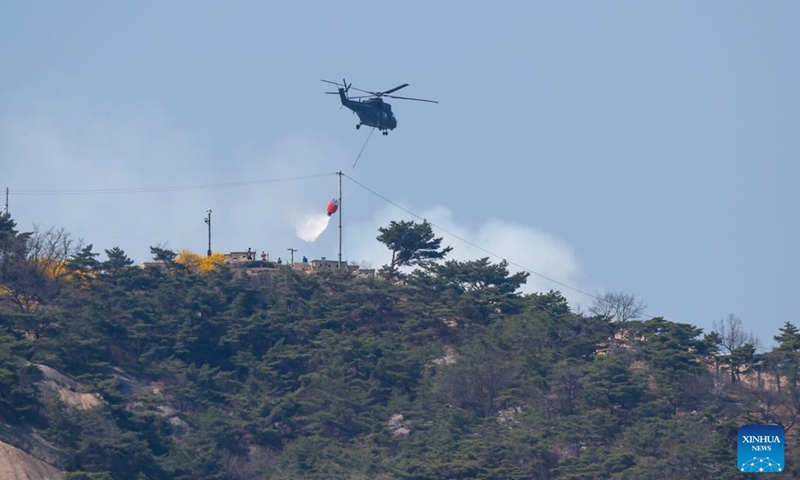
(240, 257)
(325, 264)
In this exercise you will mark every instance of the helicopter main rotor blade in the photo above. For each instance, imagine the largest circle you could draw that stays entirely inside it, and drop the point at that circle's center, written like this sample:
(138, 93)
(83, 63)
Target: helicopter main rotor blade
(392, 90)
(365, 91)
(334, 83)
(409, 98)
(387, 93)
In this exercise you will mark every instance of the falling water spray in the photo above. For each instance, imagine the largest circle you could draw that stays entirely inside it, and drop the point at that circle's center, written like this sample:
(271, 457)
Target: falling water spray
(311, 226)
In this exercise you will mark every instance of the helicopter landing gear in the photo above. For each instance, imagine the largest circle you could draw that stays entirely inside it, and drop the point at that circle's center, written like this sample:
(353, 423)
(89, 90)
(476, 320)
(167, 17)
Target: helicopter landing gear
(358, 126)
(385, 132)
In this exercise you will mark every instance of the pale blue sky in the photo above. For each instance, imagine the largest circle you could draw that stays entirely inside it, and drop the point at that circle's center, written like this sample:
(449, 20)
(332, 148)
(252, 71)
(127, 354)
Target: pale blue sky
(644, 147)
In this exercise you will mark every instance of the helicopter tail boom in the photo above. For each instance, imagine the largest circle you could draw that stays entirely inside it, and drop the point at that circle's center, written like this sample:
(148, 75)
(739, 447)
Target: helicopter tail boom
(343, 96)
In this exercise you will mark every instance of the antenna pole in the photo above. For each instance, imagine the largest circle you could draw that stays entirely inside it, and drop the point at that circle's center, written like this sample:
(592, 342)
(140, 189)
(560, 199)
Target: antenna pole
(339, 266)
(5, 207)
(208, 221)
(291, 252)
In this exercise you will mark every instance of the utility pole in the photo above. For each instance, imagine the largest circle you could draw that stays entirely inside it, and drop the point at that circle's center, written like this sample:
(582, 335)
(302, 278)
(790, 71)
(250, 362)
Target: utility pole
(208, 221)
(339, 266)
(5, 207)
(291, 250)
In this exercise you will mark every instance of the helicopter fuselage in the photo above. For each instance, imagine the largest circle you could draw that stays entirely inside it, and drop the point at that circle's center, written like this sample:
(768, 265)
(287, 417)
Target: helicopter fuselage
(373, 112)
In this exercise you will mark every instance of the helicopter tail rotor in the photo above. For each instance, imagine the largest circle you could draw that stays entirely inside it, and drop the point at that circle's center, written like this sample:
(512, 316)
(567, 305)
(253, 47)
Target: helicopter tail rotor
(342, 89)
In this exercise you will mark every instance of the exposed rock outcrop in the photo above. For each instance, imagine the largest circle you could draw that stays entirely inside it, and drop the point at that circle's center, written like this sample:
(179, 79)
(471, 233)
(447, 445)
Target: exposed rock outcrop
(67, 389)
(18, 465)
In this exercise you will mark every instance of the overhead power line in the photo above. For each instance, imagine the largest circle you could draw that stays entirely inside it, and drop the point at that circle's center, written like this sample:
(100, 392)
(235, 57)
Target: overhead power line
(174, 188)
(521, 267)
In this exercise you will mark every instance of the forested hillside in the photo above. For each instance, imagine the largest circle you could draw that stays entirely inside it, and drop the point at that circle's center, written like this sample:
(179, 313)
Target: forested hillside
(446, 372)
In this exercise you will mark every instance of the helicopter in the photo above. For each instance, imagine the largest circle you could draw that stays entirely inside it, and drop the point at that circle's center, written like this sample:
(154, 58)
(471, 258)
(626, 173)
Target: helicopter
(372, 111)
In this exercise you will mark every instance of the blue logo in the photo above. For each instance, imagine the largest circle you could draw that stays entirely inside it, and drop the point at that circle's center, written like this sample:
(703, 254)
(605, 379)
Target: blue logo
(761, 448)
